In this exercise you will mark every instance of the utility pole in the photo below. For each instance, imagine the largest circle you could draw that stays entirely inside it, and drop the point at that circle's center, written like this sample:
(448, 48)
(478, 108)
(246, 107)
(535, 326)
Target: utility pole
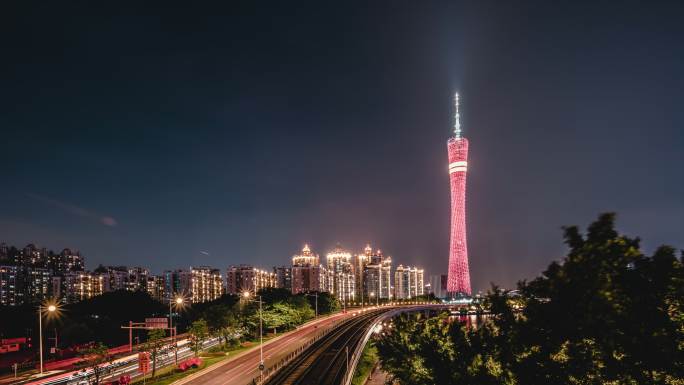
(346, 367)
(261, 339)
(40, 338)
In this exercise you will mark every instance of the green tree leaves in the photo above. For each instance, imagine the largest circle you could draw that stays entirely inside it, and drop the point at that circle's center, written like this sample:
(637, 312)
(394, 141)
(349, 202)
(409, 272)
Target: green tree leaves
(153, 345)
(199, 331)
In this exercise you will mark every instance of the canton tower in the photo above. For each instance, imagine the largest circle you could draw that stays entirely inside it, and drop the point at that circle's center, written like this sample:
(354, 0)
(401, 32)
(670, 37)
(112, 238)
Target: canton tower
(458, 281)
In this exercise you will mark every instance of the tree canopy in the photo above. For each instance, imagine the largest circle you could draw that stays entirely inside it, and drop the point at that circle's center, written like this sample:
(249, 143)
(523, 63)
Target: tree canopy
(605, 314)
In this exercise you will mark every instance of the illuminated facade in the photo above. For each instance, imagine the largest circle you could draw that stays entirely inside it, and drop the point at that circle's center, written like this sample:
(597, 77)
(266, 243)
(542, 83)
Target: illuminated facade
(409, 282)
(247, 278)
(206, 284)
(361, 262)
(155, 287)
(341, 273)
(81, 285)
(373, 275)
(10, 293)
(38, 285)
(459, 275)
(386, 278)
(401, 283)
(283, 275)
(197, 284)
(307, 273)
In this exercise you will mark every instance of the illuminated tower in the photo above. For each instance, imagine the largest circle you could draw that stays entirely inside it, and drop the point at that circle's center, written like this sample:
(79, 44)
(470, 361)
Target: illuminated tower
(458, 281)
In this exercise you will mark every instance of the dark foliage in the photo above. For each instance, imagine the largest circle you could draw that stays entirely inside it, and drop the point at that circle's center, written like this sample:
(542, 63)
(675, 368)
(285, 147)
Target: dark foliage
(607, 314)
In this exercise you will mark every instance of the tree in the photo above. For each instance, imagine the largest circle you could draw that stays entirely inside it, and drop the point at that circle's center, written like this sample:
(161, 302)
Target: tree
(605, 314)
(327, 303)
(272, 295)
(95, 357)
(422, 351)
(198, 333)
(153, 345)
(223, 322)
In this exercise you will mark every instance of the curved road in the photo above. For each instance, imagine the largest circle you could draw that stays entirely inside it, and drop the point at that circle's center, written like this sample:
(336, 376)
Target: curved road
(242, 369)
(327, 361)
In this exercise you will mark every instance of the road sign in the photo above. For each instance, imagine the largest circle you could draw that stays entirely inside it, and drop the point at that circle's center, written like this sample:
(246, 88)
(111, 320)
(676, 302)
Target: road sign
(156, 323)
(143, 362)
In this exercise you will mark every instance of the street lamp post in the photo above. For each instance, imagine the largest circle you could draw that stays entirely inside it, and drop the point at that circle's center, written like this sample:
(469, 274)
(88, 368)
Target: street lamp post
(179, 302)
(261, 332)
(51, 308)
(261, 337)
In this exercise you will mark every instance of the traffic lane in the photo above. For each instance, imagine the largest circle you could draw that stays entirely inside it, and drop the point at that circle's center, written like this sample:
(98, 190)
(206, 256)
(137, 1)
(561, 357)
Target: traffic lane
(120, 366)
(243, 369)
(246, 373)
(164, 361)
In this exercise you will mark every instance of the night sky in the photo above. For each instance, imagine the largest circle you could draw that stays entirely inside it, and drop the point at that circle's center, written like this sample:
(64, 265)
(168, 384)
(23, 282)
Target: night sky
(169, 136)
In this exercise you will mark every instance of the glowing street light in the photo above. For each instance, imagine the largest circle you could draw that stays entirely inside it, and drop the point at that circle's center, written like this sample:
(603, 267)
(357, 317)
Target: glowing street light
(48, 308)
(178, 301)
(246, 295)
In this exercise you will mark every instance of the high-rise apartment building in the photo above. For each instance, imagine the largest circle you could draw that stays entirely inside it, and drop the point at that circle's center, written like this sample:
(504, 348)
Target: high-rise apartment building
(37, 284)
(137, 278)
(283, 276)
(10, 290)
(78, 286)
(202, 284)
(307, 273)
(247, 278)
(408, 282)
(373, 271)
(361, 262)
(386, 278)
(155, 287)
(401, 283)
(173, 285)
(66, 261)
(341, 272)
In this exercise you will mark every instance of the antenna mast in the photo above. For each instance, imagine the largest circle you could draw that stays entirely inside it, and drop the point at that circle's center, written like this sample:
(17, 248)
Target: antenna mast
(457, 123)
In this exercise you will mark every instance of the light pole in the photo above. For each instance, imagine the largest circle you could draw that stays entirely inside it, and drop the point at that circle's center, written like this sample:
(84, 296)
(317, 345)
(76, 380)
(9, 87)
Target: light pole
(178, 300)
(50, 308)
(261, 332)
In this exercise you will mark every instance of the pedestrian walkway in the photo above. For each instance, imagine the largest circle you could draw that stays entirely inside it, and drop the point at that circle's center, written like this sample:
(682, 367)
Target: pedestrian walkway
(377, 377)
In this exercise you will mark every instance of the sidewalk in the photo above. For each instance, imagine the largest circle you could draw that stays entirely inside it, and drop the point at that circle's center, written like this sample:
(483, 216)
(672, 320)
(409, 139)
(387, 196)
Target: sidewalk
(377, 377)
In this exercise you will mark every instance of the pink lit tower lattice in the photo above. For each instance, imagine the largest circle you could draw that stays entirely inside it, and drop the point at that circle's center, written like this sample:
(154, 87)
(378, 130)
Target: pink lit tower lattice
(458, 281)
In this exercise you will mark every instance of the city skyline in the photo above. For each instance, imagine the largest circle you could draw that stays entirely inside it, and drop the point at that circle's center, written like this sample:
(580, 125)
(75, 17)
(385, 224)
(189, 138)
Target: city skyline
(57, 250)
(32, 275)
(139, 134)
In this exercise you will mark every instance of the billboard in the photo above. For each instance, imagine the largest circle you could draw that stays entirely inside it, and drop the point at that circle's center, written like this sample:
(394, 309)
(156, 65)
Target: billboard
(156, 323)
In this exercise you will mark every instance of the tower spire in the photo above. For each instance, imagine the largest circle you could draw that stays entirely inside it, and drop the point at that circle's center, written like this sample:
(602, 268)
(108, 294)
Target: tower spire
(457, 122)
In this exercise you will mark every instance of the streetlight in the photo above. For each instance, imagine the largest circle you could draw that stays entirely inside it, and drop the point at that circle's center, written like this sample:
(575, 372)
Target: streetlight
(49, 308)
(246, 295)
(178, 301)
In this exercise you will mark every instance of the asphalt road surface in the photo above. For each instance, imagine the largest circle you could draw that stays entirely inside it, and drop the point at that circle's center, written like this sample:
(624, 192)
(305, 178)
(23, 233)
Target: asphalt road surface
(245, 368)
